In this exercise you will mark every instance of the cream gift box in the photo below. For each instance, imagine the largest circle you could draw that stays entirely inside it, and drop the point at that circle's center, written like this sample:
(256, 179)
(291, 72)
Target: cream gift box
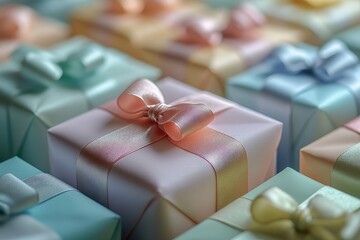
(231, 221)
(36, 205)
(19, 24)
(209, 50)
(161, 185)
(334, 159)
(40, 89)
(127, 27)
(304, 88)
(320, 21)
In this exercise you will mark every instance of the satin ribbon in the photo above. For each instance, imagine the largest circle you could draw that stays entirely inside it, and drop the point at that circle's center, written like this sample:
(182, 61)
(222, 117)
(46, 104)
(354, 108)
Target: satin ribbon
(316, 3)
(16, 22)
(354, 125)
(150, 120)
(333, 62)
(134, 7)
(143, 99)
(17, 196)
(41, 66)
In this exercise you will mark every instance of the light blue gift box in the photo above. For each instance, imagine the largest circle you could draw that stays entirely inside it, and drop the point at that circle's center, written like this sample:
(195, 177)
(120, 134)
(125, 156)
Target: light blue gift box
(351, 38)
(311, 91)
(40, 89)
(54, 209)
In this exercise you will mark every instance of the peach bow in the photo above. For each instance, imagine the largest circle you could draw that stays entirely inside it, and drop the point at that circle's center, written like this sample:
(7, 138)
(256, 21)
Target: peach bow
(149, 7)
(144, 100)
(15, 22)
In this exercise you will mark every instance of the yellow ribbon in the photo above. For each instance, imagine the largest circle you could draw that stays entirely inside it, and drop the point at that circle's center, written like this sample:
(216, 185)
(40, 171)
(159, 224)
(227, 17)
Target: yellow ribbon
(277, 214)
(316, 3)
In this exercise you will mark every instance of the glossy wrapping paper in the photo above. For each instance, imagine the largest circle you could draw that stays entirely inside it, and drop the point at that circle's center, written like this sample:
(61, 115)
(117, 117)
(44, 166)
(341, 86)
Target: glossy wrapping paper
(165, 188)
(31, 103)
(307, 105)
(207, 65)
(67, 214)
(320, 21)
(334, 159)
(228, 223)
(131, 32)
(36, 30)
(351, 39)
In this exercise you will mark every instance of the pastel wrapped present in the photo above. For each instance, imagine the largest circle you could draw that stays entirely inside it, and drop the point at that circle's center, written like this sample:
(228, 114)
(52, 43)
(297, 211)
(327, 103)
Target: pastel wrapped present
(334, 159)
(35, 205)
(42, 88)
(19, 24)
(288, 206)
(210, 50)
(319, 20)
(164, 178)
(223, 3)
(129, 26)
(304, 88)
(351, 39)
(60, 10)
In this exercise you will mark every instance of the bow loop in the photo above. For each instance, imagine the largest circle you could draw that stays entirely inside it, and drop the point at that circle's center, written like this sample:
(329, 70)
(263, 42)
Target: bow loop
(15, 196)
(144, 100)
(244, 22)
(274, 210)
(16, 22)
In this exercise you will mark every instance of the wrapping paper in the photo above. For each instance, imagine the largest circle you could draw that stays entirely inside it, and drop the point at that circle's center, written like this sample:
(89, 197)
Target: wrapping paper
(298, 186)
(208, 67)
(155, 190)
(130, 33)
(307, 107)
(28, 109)
(44, 33)
(318, 24)
(351, 39)
(70, 214)
(334, 159)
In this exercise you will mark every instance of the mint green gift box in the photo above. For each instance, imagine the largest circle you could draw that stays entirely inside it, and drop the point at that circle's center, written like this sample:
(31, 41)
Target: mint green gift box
(68, 214)
(40, 89)
(312, 91)
(351, 38)
(298, 186)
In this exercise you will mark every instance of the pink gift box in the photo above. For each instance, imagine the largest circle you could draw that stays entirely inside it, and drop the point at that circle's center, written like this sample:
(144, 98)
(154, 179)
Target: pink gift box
(163, 189)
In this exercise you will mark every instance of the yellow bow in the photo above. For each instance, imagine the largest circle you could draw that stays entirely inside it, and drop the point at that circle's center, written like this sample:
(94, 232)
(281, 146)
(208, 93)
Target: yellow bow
(275, 213)
(316, 3)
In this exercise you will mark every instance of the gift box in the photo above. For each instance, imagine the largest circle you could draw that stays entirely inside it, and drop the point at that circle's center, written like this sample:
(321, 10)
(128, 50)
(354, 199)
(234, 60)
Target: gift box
(223, 3)
(60, 10)
(318, 20)
(40, 89)
(274, 203)
(120, 25)
(334, 159)
(19, 24)
(351, 39)
(163, 179)
(210, 50)
(36, 205)
(304, 88)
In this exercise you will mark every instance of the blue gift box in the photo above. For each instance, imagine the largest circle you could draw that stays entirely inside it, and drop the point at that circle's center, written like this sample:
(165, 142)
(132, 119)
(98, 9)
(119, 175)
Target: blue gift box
(311, 91)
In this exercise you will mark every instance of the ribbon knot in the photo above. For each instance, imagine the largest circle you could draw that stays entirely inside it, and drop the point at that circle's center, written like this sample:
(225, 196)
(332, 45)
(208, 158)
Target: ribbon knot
(16, 22)
(15, 196)
(277, 214)
(143, 100)
(332, 62)
(42, 66)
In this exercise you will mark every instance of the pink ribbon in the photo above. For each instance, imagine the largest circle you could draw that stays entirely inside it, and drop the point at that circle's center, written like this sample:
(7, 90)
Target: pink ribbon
(354, 125)
(143, 100)
(15, 22)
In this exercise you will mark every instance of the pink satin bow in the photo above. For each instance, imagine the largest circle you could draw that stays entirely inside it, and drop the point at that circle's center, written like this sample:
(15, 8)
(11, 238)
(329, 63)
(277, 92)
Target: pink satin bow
(244, 22)
(143, 100)
(15, 22)
(149, 7)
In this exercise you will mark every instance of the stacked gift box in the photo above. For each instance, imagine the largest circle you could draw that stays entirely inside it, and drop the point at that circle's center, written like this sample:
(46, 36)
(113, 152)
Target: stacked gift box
(180, 119)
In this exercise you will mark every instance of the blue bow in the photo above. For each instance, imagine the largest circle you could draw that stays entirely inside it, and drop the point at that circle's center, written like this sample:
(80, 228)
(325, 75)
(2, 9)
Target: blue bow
(330, 63)
(40, 66)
